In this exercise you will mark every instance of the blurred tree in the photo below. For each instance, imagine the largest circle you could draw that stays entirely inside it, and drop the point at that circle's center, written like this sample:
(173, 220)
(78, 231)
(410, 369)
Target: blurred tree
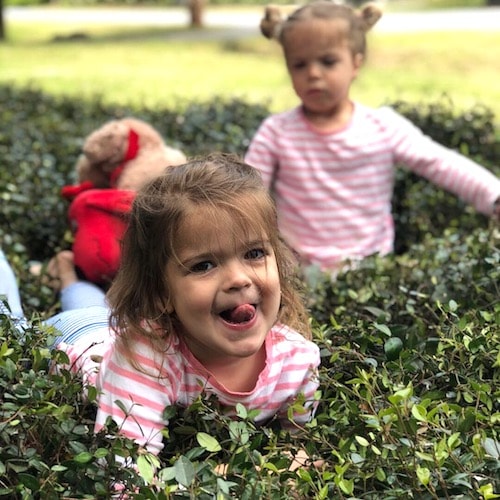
(2, 28)
(196, 8)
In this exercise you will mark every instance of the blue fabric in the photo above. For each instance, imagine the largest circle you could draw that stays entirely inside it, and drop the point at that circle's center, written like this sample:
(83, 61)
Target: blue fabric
(84, 309)
(82, 294)
(76, 323)
(83, 304)
(9, 289)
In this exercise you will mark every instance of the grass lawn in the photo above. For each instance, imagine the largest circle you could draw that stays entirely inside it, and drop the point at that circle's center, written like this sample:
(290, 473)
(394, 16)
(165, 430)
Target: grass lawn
(151, 66)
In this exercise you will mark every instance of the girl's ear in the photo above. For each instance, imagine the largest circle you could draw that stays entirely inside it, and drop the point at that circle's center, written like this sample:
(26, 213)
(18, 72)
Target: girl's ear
(169, 309)
(359, 59)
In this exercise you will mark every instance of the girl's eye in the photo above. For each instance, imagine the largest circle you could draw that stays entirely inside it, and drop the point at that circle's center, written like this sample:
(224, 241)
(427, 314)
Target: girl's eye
(298, 65)
(255, 254)
(328, 62)
(202, 267)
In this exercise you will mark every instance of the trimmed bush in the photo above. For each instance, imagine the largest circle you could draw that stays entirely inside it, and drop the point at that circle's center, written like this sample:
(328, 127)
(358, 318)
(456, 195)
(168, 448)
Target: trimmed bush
(409, 397)
(420, 420)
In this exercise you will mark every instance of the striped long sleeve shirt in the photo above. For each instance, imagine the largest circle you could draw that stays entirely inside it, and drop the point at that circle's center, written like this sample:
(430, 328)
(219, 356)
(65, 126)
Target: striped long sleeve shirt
(333, 191)
(177, 377)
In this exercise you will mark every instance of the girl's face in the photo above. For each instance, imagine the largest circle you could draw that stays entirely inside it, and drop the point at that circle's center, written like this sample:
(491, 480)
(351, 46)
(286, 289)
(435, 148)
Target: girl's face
(321, 65)
(224, 289)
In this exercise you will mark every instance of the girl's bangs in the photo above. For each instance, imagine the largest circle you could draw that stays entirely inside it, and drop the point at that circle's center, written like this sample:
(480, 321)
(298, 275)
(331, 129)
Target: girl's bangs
(249, 216)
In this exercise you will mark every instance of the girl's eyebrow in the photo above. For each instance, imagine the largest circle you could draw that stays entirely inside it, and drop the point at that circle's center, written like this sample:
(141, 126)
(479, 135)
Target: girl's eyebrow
(195, 257)
(262, 243)
(207, 255)
(259, 241)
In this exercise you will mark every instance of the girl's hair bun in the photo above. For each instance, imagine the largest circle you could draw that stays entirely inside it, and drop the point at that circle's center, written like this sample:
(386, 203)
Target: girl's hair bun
(370, 13)
(270, 25)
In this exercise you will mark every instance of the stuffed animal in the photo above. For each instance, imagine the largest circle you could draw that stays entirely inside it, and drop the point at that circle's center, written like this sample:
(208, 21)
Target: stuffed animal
(117, 159)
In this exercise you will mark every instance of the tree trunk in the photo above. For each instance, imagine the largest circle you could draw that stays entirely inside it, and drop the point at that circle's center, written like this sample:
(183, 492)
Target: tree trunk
(196, 8)
(2, 26)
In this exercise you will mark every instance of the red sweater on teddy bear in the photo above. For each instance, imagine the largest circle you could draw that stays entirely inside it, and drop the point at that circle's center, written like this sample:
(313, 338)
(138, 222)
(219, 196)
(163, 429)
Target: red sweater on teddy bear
(99, 218)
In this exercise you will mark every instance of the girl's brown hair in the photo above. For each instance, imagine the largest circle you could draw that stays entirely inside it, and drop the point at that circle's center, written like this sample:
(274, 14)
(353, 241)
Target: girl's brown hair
(221, 186)
(358, 21)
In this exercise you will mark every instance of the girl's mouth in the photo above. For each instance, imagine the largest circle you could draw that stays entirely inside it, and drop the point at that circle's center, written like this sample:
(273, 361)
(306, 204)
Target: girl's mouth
(239, 314)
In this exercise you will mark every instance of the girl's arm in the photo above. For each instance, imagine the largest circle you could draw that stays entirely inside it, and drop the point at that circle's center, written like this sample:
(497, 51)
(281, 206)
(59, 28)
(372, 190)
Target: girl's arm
(262, 155)
(300, 410)
(442, 166)
(134, 397)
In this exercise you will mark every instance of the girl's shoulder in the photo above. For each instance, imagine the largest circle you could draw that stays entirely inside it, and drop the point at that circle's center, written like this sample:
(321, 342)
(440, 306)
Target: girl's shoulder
(386, 114)
(287, 339)
(284, 118)
(290, 353)
(383, 119)
(157, 358)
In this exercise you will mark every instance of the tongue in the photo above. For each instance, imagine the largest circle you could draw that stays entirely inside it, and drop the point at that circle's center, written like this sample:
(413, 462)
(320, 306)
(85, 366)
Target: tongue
(241, 314)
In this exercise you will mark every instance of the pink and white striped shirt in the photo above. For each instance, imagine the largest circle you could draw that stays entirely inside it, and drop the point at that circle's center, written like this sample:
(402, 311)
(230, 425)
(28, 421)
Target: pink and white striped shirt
(177, 377)
(333, 190)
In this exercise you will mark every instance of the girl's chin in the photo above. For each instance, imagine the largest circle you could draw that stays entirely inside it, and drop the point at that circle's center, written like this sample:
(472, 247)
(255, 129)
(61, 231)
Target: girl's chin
(241, 345)
(247, 351)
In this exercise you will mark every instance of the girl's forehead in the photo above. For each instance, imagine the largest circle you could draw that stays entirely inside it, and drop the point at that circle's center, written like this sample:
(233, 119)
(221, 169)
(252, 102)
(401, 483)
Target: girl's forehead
(316, 31)
(212, 228)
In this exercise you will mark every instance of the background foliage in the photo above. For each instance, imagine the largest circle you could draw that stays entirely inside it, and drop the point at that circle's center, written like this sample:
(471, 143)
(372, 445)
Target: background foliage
(410, 385)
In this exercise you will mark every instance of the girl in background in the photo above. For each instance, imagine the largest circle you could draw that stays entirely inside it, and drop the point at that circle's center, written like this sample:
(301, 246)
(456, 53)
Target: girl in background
(330, 162)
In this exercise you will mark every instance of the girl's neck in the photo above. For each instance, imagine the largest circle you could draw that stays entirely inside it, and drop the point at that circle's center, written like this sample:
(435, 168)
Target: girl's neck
(331, 120)
(239, 374)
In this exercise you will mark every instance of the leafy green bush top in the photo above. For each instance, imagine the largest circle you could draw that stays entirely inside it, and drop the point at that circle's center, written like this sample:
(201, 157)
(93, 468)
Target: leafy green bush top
(421, 421)
(417, 416)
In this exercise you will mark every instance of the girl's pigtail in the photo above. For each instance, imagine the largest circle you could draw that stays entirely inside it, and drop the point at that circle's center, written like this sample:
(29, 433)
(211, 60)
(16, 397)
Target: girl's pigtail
(370, 14)
(271, 23)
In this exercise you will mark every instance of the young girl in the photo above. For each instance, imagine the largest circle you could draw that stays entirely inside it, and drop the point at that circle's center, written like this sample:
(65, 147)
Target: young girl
(330, 162)
(205, 301)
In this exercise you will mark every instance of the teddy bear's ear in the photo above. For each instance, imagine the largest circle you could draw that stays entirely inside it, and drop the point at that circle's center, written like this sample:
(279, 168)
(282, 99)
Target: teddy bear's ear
(106, 144)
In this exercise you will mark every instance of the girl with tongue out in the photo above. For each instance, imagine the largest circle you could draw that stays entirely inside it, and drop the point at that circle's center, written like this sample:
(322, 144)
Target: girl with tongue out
(205, 301)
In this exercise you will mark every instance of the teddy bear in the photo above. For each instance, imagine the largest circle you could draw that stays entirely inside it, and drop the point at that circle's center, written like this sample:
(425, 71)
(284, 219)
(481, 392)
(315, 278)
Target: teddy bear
(117, 159)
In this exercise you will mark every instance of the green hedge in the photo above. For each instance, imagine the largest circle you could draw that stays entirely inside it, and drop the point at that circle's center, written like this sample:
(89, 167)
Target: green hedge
(410, 343)
(41, 137)
(419, 420)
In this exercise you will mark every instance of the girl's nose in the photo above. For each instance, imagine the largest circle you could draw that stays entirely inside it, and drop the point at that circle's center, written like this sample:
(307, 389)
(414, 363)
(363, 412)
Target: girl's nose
(237, 275)
(313, 70)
